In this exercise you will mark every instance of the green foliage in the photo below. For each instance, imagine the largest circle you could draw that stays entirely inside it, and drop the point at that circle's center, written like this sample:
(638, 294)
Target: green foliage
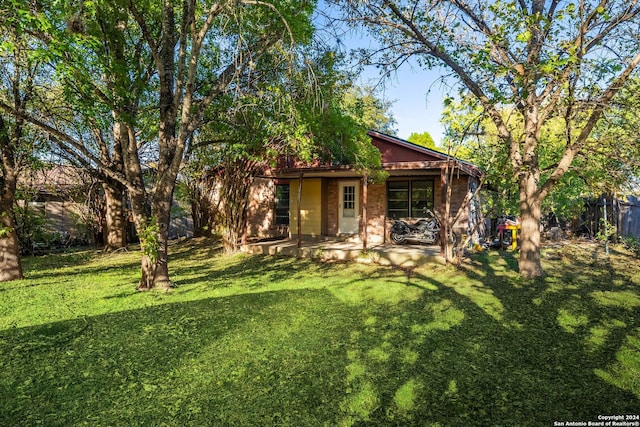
(149, 240)
(632, 244)
(371, 112)
(318, 344)
(600, 169)
(424, 139)
(606, 230)
(323, 118)
(31, 227)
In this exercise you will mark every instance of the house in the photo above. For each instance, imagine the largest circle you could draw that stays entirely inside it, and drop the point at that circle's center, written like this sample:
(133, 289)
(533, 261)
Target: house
(336, 201)
(68, 203)
(53, 207)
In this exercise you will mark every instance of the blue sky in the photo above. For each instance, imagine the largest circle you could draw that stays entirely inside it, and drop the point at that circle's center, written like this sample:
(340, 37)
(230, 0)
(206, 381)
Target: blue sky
(417, 96)
(416, 93)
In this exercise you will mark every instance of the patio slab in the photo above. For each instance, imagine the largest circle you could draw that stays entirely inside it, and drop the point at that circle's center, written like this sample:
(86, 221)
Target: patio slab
(337, 250)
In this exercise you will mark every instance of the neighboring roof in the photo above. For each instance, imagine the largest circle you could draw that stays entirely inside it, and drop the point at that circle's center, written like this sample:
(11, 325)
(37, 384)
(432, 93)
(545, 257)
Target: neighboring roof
(54, 179)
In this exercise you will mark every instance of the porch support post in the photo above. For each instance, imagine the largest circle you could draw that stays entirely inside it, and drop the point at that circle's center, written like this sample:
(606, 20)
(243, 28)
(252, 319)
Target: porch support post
(444, 183)
(299, 210)
(365, 184)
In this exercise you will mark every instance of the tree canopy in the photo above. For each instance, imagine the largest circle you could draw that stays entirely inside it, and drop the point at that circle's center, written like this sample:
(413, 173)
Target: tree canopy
(539, 60)
(139, 87)
(151, 73)
(424, 139)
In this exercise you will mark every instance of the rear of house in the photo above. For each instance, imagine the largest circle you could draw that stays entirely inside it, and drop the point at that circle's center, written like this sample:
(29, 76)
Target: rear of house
(337, 201)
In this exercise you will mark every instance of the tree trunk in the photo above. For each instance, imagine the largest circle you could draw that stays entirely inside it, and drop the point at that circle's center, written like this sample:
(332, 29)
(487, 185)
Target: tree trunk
(162, 212)
(10, 262)
(141, 219)
(148, 269)
(530, 213)
(153, 230)
(235, 194)
(116, 236)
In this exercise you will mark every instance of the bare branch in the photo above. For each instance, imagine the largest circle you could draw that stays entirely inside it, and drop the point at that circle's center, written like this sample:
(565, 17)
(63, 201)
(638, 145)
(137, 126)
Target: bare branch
(573, 149)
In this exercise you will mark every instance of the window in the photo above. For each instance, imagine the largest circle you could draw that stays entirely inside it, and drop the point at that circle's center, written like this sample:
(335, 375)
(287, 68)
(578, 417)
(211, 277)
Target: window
(282, 204)
(398, 199)
(349, 201)
(409, 199)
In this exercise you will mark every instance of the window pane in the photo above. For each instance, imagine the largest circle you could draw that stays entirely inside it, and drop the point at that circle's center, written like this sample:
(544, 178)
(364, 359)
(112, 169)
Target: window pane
(398, 199)
(421, 198)
(348, 197)
(349, 201)
(282, 204)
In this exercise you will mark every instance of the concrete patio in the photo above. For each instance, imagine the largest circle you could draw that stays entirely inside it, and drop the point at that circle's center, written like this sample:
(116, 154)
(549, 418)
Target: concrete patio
(338, 250)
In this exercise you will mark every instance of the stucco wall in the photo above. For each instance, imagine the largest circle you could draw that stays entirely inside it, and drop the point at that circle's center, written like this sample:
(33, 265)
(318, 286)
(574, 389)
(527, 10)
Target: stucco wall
(311, 205)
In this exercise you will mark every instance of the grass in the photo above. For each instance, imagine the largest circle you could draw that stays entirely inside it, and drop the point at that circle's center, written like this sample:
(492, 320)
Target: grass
(252, 340)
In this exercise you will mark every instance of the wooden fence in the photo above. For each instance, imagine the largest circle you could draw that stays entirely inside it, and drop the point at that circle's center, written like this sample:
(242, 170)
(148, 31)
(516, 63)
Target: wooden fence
(629, 216)
(624, 214)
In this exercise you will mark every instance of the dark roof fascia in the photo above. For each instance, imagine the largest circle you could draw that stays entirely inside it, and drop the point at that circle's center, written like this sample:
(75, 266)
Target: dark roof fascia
(294, 172)
(342, 171)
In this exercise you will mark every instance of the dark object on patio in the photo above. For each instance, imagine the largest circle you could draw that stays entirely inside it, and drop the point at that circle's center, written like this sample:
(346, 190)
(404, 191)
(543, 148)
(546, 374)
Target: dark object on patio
(424, 230)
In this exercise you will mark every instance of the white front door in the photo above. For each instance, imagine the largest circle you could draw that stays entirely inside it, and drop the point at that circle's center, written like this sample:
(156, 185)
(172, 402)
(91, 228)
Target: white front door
(348, 208)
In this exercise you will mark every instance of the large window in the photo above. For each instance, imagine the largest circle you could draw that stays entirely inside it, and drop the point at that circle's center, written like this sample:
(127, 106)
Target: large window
(409, 199)
(282, 204)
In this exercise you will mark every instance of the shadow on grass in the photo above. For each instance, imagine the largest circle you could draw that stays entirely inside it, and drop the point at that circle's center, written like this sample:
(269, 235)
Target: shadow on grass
(61, 266)
(303, 343)
(249, 359)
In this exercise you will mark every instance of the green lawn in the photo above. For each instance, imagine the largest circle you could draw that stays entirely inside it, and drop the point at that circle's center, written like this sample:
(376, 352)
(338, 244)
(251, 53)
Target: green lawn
(261, 341)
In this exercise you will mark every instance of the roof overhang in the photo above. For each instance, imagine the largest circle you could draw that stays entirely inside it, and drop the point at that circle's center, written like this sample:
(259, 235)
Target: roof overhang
(314, 172)
(398, 168)
(432, 168)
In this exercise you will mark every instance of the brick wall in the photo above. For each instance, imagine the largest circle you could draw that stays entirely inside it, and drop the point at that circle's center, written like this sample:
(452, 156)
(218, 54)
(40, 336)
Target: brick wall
(376, 212)
(260, 210)
(332, 207)
(458, 192)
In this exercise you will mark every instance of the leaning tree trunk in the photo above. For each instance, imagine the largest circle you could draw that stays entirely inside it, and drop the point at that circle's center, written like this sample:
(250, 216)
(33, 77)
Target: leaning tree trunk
(10, 262)
(530, 264)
